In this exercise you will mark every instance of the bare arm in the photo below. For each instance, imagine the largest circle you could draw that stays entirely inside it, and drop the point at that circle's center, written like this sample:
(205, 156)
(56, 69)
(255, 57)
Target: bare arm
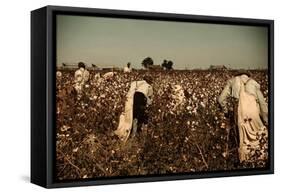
(225, 94)
(263, 105)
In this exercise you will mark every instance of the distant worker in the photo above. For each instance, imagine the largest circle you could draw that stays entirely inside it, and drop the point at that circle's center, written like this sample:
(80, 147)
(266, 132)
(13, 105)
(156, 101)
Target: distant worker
(135, 115)
(128, 69)
(97, 76)
(250, 112)
(109, 75)
(81, 77)
(94, 67)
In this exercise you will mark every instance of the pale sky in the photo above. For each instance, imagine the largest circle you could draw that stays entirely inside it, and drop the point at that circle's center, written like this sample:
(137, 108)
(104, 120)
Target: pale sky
(109, 42)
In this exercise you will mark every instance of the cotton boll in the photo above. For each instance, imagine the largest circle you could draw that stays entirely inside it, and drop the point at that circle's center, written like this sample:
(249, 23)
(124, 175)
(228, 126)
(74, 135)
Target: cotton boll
(202, 104)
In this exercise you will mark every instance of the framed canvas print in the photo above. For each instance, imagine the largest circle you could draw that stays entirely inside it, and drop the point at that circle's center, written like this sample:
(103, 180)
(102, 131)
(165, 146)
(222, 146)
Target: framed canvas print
(126, 96)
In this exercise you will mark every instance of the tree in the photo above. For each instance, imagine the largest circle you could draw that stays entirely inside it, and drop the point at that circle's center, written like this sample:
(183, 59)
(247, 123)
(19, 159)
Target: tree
(164, 64)
(170, 65)
(167, 64)
(147, 62)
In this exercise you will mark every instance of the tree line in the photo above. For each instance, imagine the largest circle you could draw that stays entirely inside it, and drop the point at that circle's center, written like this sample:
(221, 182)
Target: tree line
(166, 64)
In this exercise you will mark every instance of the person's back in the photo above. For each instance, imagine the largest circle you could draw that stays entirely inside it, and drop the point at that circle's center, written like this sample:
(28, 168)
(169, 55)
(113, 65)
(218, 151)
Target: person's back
(127, 69)
(248, 109)
(109, 75)
(142, 87)
(138, 96)
(81, 76)
(232, 89)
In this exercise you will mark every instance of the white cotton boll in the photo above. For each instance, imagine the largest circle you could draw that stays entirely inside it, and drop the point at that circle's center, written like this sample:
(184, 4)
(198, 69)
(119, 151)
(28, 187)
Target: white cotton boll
(85, 176)
(195, 111)
(58, 110)
(59, 74)
(194, 97)
(202, 104)
(64, 128)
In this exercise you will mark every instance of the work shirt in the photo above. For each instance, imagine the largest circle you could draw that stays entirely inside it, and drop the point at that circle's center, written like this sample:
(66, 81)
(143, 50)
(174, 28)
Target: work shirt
(143, 87)
(232, 89)
(81, 76)
(127, 69)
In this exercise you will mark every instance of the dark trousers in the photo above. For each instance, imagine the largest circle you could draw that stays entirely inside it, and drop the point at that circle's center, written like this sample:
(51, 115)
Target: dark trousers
(139, 106)
(233, 115)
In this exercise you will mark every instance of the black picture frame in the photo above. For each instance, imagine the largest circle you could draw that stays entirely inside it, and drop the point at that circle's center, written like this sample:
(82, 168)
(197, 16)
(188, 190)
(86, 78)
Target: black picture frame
(43, 103)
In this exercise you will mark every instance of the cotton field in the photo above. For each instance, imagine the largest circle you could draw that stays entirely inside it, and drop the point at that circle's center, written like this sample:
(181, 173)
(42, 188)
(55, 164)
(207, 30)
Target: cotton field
(186, 130)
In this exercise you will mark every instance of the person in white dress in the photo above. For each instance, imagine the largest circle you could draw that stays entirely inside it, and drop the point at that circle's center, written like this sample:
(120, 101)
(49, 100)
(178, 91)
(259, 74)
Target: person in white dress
(251, 113)
(139, 97)
(81, 77)
(128, 68)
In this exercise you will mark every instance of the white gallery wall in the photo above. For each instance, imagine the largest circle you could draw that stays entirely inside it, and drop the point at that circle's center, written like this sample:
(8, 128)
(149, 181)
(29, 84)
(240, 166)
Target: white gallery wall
(15, 95)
